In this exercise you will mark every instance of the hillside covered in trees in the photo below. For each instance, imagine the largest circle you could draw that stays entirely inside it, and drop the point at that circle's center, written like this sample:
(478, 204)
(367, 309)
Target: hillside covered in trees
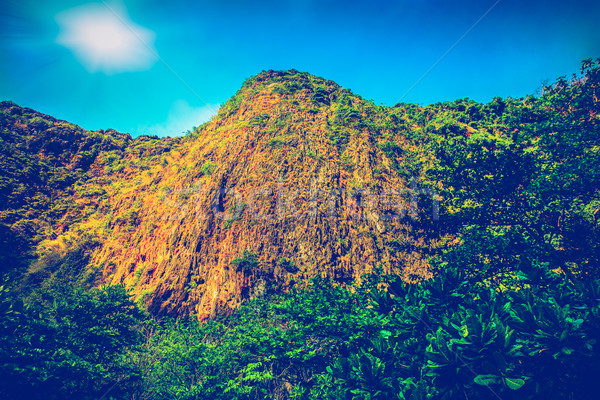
(306, 244)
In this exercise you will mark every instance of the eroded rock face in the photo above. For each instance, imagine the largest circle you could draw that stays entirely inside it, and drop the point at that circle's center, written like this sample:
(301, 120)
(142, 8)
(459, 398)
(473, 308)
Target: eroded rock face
(291, 170)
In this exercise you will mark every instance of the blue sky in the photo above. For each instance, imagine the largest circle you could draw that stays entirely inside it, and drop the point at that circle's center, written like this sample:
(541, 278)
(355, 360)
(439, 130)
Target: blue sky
(162, 67)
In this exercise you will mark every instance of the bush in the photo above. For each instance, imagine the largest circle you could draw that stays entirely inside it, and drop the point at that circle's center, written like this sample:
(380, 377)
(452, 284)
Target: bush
(277, 141)
(69, 343)
(208, 168)
(320, 97)
(267, 349)
(247, 261)
(450, 338)
(288, 265)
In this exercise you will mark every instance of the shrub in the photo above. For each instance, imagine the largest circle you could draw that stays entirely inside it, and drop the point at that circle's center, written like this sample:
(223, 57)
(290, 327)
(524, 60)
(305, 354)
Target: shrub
(288, 265)
(450, 337)
(320, 97)
(208, 168)
(69, 343)
(247, 261)
(277, 141)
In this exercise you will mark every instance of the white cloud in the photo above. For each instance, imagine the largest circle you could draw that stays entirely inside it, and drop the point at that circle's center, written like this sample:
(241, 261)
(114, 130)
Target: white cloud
(181, 118)
(103, 38)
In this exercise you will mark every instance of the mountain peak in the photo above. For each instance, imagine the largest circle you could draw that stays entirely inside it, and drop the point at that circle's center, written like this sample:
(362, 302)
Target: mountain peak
(284, 184)
(275, 76)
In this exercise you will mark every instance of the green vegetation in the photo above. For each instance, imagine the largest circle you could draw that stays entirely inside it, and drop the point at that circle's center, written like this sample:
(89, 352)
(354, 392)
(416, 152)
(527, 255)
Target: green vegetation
(512, 310)
(53, 174)
(259, 121)
(246, 261)
(231, 106)
(320, 96)
(288, 265)
(235, 213)
(276, 142)
(345, 115)
(526, 190)
(339, 138)
(208, 168)
(68, 343)
(445, 338)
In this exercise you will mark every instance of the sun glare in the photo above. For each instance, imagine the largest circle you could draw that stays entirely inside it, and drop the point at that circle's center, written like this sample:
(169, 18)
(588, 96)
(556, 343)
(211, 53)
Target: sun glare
(103, 38)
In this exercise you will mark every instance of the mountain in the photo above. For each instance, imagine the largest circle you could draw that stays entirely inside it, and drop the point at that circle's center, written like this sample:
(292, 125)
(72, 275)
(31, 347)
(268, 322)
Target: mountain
(322, 247)
(294, 178)
(291, 174)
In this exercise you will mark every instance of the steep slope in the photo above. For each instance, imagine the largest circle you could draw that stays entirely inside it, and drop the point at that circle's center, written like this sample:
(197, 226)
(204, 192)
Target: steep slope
(289, 181)
(298, 177)
(42, 159)
(295, 177)
(54, 176)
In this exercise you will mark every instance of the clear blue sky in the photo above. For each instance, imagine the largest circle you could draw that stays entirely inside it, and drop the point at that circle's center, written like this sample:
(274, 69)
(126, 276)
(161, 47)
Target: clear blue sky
(162, 67)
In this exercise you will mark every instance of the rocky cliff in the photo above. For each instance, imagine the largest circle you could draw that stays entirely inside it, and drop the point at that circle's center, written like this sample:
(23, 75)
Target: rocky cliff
(295, 177)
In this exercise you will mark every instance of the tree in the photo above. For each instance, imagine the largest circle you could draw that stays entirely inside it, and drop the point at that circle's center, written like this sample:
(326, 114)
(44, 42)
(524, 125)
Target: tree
(68, 343)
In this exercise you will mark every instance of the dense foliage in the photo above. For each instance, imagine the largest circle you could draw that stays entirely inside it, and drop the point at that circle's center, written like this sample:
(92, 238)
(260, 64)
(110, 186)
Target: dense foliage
(42, 159)
(512, 310)
(440, 339)
(67, 343)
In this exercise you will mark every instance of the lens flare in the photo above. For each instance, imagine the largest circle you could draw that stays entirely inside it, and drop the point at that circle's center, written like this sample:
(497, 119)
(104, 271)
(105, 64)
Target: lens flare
(103, 38)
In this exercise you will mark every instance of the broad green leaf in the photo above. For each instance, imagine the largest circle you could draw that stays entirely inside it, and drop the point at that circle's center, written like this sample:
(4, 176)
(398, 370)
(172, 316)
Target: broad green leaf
(486, 380)
(514, 383)
(436, 357)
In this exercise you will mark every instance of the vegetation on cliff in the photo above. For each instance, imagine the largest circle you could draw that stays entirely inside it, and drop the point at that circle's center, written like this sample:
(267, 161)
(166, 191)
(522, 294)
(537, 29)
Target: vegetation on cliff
(331, 248)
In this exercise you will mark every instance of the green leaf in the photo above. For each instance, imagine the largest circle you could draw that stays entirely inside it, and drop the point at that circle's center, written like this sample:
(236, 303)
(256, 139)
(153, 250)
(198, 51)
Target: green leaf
(436, 357)
(508, 338)
(567, 350)
(514, 383)
(564, 335)
(486, 380)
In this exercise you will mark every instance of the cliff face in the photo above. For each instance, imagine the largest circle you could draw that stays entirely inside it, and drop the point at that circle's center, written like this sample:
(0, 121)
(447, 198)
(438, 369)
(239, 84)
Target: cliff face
(291, 170)
(295, 177)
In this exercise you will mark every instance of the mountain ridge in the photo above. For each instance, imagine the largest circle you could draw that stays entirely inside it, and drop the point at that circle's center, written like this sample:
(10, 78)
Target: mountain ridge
(294, 177)
(259, 129)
